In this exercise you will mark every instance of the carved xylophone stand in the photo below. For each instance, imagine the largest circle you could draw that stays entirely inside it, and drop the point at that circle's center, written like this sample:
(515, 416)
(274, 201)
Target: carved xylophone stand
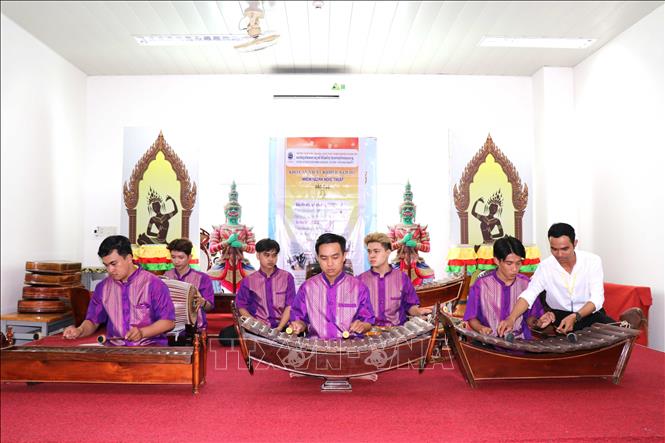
(336, 385)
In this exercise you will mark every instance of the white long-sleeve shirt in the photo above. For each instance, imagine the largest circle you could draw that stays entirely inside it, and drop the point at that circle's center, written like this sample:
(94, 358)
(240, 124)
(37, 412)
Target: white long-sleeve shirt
(568, 292)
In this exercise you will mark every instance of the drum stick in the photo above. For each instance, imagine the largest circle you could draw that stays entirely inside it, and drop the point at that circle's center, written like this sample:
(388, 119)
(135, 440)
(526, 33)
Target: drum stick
(101, 339)
(345, 334)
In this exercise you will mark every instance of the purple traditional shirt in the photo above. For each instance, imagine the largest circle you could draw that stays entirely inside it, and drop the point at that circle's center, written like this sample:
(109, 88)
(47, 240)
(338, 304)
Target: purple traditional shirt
(265, 297)
(391, 295)
(491, 300)
(200, 281)
(139, 302)
(329, 309)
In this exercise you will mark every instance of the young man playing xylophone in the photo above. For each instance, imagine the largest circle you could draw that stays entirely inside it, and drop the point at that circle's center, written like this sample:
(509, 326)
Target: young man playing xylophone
(573, 280)
(333, 303)
(494, 294)
(134, 304)
(267, 294)
(390, 290)
(181, 254)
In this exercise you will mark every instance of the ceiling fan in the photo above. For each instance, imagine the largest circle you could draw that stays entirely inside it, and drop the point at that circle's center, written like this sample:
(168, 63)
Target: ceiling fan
(253, 40)
(251, 23)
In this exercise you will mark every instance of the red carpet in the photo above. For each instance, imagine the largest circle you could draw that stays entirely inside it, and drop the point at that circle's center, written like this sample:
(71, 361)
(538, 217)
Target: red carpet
(401, 406)
(217, 322)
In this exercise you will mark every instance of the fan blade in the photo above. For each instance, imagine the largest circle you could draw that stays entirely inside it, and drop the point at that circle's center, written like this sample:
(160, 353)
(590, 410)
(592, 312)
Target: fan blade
(258, 43)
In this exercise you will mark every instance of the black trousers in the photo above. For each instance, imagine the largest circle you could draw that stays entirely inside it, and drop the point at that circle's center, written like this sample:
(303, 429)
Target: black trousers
(228, 336)
(597, 317)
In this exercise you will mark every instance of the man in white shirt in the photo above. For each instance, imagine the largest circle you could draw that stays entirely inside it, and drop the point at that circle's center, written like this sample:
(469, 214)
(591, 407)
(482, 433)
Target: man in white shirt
(573, 281)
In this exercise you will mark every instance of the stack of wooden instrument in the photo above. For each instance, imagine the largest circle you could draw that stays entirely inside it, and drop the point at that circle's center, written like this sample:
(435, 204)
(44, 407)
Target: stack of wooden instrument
(50, 285)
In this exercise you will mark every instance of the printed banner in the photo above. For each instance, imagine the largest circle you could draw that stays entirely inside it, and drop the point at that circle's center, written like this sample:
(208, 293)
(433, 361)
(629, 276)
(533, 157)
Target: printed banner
(321, 185)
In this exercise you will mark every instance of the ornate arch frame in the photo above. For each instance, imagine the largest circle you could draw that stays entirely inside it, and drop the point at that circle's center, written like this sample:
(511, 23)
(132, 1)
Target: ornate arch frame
(520, 192)
(187, 188)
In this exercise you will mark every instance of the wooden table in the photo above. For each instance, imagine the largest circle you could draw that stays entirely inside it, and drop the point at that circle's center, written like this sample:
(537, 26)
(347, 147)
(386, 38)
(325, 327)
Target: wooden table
(29, 327)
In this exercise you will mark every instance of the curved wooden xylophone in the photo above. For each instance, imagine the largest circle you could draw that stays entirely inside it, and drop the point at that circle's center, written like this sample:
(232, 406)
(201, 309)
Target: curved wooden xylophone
(105, 364)
(337, 360)
(441, 291)
(601, 350)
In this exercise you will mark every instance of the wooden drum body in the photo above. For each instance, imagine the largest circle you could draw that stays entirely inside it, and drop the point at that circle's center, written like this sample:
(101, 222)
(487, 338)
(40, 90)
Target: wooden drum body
(600, 351)
(53, 267)
(41, 306)
(183, 296)
(71, 279)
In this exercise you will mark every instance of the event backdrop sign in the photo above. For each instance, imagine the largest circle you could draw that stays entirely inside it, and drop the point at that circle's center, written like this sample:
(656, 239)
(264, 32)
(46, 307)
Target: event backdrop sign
(319, 185)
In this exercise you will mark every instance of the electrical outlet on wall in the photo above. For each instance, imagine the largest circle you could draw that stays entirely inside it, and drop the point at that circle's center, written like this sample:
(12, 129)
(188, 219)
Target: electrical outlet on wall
(104, 231)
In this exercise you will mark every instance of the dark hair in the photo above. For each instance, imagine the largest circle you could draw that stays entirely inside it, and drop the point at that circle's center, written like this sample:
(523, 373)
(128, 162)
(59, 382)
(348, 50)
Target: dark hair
(180, 245)
(507, 245)
(267, 244)
(560, 229)
(118, 243)
(329, 237)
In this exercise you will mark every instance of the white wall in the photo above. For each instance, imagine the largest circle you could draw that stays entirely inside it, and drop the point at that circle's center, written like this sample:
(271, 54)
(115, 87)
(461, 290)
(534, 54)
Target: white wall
(409, 115)
(620, 115)
(42, 130)
(557, 195)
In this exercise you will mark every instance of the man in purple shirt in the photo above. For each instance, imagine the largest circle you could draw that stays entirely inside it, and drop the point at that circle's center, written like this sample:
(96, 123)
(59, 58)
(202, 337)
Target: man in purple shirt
(333, 303)
(390, 290)
(134, 304)
(267, 294)
(181, 255)
(493, 295)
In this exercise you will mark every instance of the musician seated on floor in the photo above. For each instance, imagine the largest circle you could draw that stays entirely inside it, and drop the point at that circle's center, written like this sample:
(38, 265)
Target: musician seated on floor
(573, 280)
(332, 304)
(267, 294)
(390, 290)
(181, 255)
(134, 304)
(493, 295)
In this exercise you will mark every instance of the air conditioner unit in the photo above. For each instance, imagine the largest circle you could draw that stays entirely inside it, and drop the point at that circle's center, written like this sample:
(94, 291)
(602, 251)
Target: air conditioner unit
(310, 90)
(305, 96)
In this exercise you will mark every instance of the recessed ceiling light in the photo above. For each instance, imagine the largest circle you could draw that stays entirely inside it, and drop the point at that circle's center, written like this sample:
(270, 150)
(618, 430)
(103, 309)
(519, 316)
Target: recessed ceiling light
(536, 42)
(186, 39)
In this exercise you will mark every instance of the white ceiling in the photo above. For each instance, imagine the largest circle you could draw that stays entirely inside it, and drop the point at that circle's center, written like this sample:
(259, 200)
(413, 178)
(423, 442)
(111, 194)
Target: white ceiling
(387, 37)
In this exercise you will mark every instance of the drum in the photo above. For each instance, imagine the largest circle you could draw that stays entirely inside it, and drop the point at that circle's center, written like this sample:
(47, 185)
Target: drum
(71, 279)
(53, 267)
(41, 306)
(184, 297)
(48, 292)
